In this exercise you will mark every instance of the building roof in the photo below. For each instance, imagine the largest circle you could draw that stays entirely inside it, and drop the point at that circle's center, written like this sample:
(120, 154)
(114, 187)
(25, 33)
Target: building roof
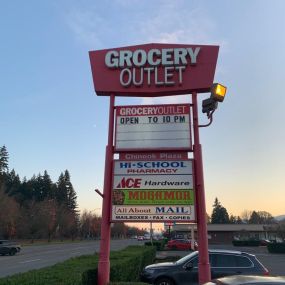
(223, 227)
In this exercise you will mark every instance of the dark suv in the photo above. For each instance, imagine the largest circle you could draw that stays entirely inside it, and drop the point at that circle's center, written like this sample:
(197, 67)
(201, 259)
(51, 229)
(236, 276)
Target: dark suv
(185, 270)
(8, 247)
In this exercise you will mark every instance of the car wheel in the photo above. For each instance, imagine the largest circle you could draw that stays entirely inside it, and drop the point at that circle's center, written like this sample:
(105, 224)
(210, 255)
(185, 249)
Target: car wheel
(12, 251)
(174, 247)
(164, 281)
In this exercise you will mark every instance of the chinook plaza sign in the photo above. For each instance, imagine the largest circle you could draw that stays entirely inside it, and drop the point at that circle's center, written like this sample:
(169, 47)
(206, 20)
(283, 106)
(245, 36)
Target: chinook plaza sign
(154, 69)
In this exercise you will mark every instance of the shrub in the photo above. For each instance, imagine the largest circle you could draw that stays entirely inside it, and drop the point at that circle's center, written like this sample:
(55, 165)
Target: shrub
(158, 244)
(276, 247)
(127, 283)
(126, 265)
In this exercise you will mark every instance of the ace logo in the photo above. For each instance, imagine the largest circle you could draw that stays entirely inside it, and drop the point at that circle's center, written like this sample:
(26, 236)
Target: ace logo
(129, 183)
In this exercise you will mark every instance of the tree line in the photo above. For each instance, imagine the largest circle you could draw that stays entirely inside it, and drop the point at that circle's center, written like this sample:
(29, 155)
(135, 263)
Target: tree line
(220, 216)
(38, 208)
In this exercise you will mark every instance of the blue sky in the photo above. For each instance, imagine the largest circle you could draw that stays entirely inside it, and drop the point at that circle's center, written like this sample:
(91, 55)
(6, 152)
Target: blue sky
(52, 120)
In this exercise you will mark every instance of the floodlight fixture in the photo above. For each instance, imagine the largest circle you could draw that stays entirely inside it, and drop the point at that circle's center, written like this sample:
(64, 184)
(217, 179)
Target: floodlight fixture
(218, 92)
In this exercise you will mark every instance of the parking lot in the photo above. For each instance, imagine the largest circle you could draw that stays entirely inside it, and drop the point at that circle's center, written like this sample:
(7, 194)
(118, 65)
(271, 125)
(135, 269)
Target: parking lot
(275, 263)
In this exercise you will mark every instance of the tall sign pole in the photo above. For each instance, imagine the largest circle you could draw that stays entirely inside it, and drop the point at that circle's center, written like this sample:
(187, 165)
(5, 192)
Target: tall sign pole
(204, 265)
(153, 178)
(104, 256)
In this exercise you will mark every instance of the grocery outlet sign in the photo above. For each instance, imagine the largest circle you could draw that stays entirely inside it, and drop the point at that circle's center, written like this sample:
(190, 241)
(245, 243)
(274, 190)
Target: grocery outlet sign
(153, 127)
(153, 191)
(154, 69)
(151, 179)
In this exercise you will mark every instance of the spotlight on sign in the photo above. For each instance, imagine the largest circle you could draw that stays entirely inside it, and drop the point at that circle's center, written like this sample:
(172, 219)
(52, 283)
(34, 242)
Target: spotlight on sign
(218, 92)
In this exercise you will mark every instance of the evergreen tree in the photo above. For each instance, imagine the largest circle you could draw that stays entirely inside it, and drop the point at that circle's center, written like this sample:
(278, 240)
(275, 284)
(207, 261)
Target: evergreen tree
(65, 191)
(71, 194)
(219, 214)
(254, 218)
(32, 188)
(233, 219)
(47, 186)
(239, 220)
(4, 158)
(13, 184)
(61, 193)
(40, 195)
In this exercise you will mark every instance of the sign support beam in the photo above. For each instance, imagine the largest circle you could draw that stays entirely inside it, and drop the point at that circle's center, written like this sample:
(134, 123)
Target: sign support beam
(204, 265)
(104, 256)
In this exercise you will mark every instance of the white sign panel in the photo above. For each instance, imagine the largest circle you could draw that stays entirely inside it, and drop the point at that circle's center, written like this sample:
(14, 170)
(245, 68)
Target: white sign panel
(153, 127)
(153, 191)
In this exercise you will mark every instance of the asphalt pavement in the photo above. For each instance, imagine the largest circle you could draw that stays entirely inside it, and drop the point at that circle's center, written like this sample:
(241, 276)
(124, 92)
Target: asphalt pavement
(39, 256)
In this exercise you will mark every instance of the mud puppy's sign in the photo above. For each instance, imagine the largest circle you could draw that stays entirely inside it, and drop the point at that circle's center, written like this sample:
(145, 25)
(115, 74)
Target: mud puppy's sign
(153, 127)
(153, 191)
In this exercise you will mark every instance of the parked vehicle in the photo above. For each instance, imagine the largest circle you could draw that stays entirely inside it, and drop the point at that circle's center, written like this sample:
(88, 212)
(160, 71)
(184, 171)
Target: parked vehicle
(140, 238)
(248, 280)
(264, 242)
(8, 247)
(181, 244)
(185, 270)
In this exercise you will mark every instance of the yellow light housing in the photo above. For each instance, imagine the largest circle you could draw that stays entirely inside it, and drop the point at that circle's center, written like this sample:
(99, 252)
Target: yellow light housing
(218, 92)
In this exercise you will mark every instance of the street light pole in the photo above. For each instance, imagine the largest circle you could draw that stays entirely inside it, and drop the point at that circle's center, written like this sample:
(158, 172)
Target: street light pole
(204, 265)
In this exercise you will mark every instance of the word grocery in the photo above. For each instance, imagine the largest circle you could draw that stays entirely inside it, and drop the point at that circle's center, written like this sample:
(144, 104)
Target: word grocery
(141, 67)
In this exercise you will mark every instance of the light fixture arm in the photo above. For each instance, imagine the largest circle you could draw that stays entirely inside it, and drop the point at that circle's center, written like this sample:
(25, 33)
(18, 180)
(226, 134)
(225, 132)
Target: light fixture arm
(210, 117)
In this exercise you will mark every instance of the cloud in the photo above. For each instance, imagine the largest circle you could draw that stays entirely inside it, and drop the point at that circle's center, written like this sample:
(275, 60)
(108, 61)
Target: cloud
(166, 100)
(177, 22)
(87, 26)
(135, 22)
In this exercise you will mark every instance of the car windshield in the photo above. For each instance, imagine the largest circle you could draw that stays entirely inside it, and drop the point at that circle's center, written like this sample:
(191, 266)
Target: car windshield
(186, 258)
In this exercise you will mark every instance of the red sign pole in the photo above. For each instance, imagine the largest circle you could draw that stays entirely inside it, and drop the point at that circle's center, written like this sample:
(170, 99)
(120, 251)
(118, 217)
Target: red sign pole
(204, 265)
(104, 260)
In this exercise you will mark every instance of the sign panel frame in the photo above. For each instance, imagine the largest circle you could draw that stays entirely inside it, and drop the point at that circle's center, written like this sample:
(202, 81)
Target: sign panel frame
(183, 210)
(153, 128)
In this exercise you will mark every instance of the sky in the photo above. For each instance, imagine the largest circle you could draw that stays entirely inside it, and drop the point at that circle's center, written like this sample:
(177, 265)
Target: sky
(51, 118)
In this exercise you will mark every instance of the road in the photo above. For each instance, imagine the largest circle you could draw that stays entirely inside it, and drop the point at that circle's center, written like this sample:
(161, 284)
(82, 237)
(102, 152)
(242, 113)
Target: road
(39, 256)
